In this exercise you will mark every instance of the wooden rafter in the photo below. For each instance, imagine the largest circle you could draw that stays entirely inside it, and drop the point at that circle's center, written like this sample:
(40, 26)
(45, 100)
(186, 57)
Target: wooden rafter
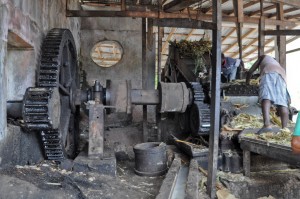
(247, 5)
(272, 49)
(168, 39)
(244, 36)
(164, 15)
(285, 12)
(223, 1)
(190, 34)
(293, 16)
(258, 11)
(246, 47)
(251, 3)
(178, 5)
(295, 3)
(255, 49)
(229, 34)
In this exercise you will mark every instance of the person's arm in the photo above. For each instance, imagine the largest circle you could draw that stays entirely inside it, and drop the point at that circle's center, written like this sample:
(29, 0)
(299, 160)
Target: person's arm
(253, 68)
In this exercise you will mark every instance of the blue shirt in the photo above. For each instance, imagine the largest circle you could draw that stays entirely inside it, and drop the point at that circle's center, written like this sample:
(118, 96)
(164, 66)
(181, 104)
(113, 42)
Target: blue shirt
(229, 66)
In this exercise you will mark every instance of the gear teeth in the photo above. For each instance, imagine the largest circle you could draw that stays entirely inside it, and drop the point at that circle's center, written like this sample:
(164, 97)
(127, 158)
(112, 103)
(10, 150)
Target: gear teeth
(36, 100)
(51, 140)
(35, 108)
(48, 74)
(204, 110)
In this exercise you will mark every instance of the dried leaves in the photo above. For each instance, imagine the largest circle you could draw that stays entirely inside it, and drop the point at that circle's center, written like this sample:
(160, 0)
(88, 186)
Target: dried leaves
(245, 120)
(283, 137)
(194, 50)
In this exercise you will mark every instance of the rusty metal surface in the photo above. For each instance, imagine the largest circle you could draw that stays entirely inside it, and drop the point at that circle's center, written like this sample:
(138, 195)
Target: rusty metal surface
(144, 97)
(117, 95)
(174, 97)
(96, 130)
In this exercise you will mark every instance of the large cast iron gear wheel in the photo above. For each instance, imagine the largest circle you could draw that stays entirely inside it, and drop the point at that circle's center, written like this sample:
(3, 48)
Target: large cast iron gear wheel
(199, 112)
(57, 70)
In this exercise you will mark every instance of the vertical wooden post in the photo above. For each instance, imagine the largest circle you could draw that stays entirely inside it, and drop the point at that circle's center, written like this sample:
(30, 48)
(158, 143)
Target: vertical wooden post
(144, 78)
(150, 39)
(261, 28)
(281, 40)
(261, 36)
(159, 48)
(123, 5)
(215, 100)
(239, 13)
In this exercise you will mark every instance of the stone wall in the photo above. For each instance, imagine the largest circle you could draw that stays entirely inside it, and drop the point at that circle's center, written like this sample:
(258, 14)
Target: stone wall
(28, 21)
(126, 31)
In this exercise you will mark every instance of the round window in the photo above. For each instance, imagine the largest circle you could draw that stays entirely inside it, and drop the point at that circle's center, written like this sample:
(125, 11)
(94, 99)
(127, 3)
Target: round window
(107, 53)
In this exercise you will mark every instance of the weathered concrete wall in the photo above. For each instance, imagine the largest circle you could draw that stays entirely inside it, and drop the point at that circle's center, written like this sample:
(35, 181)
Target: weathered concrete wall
(30, 20)
(127, 32)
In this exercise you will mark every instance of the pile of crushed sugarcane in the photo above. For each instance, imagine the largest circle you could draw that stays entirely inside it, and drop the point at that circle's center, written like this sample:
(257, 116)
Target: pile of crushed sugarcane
(194, 50)
(245, 120)
(283, 137)
(254, 82)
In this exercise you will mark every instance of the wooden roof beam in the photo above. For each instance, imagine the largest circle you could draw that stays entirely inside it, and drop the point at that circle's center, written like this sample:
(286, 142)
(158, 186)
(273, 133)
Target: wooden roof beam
(255, 49)
(244, 36)
(251, 3)
(293, 16)
(164, 15)
(294, 3)
(223, 1)
(258, 11)
(229, 34)
(246, 47)
(285, 12)
(272, 49)
(247, 5)
(190, 34)
(168, 39)
(178, 5)
(282, 32)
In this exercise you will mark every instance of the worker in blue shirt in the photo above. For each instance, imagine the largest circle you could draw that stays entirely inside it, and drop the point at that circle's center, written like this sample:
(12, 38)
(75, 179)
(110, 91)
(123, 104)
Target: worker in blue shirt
(231, 68)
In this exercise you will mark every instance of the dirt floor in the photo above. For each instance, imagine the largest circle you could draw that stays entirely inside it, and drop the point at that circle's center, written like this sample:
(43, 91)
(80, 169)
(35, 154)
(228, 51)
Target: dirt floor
(47, 180)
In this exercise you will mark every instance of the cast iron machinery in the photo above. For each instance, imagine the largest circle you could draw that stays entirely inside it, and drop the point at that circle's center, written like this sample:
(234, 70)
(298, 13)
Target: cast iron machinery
(50, 107)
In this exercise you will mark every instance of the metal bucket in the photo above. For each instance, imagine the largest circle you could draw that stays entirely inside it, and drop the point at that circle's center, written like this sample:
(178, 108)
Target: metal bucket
(150, 158)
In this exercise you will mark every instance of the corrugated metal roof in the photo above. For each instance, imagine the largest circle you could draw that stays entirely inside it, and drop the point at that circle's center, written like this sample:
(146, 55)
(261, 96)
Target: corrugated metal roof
(229, 34)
